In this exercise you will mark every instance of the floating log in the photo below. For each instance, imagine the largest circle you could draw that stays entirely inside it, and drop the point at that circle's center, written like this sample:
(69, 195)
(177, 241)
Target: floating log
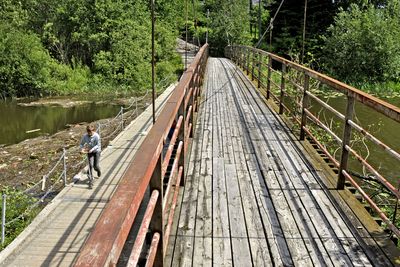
(33, 131)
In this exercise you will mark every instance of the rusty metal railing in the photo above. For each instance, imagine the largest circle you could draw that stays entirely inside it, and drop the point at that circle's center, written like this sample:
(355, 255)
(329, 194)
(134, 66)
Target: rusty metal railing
(289, 85)
(151, 171)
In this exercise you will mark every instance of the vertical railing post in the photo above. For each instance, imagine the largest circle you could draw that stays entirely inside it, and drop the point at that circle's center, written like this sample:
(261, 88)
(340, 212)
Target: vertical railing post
(259, 70)
(269, 76)
(65, 166)
(282, 88)
(304, 106)
(252, 64)
(242, 55)
(248, 60)
(122, 118)
(193, 86)
(156, 224)
(345, 141)
(181, 136)
(3, 219)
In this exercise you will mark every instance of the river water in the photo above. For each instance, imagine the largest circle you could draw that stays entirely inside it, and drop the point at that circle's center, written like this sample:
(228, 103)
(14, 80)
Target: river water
(385, 129)
(16, 121)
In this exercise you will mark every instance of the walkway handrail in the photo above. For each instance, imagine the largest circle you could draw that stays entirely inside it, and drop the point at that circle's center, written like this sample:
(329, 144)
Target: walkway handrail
(145, 174)
(252, 61)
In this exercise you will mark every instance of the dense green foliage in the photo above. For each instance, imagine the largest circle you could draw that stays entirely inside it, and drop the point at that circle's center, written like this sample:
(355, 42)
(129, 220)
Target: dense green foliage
(20, 211)
(58, 47)
(356, 41)
(363, 44)
(79, 45)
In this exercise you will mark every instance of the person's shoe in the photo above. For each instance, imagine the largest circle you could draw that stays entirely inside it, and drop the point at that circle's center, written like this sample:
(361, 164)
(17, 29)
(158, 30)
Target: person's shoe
(98, 173)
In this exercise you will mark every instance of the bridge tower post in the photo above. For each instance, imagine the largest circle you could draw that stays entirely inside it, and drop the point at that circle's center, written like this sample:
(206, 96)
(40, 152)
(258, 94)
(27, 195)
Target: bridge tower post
(345, 141)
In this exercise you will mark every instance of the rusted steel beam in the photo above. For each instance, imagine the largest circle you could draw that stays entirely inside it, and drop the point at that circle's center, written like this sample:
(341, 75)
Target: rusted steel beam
(322, 147)
(375, 140)
(172, 211)
(381, 214)
(171, 145)
(345, 141)
(282, 87)
(377, 104)
(144, 227)
(323, 126)
(153, 250)
(275, 84)
(188, 96)
(188, 116)
(269, 76)
(173, 171)
(381, 179)
(108, 237)
(325, 105)
(299, 88)
(304, 105)
(187, 138)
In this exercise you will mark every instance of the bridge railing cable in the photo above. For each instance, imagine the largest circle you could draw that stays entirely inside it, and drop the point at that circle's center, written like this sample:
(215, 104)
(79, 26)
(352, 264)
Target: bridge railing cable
(304, 95)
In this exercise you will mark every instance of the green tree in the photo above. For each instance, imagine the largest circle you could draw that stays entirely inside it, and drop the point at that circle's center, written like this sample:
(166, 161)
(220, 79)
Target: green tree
(230, 23)
(363, 44)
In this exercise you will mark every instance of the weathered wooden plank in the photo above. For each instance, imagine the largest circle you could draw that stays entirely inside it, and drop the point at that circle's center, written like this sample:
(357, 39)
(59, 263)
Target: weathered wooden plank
(184, 245)
(290, 159)
(222, 251)
(203, 228)
(257, 239)
(355, 252)
(240, 245)
(260, 145)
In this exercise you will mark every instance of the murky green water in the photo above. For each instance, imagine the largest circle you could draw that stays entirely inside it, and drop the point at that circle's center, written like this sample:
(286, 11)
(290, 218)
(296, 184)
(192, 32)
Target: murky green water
(16, 120)
(385, 129)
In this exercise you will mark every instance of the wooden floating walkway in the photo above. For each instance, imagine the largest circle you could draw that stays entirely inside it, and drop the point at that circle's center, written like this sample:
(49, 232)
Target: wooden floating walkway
(250, 197)
(58, 233)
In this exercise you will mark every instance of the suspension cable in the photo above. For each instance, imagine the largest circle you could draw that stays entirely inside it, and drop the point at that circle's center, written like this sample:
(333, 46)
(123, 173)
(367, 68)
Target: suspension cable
(270, 24)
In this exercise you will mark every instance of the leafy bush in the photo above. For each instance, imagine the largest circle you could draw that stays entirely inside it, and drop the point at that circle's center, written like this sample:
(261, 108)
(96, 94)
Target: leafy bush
(18, 205)
(363, 44)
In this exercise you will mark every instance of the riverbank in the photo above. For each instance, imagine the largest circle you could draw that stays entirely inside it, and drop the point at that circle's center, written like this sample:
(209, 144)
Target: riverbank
(24, 164)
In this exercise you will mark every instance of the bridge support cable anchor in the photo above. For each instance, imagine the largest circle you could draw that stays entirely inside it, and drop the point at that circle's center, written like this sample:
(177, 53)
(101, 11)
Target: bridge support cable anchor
(346, 141)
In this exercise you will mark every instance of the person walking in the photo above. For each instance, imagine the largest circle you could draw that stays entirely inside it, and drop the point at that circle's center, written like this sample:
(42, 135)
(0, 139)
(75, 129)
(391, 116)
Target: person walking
(91, 145)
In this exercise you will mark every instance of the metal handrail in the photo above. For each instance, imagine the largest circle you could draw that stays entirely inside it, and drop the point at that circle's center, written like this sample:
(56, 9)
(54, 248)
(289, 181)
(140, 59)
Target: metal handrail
(105, 243)
(242, 56)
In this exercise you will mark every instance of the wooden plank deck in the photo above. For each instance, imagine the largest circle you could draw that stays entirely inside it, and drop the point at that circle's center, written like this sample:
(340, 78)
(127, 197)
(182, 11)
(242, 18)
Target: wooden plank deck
(250, 197)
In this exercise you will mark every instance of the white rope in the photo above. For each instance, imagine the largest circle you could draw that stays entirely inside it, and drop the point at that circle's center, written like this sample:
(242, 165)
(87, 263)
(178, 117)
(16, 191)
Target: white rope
(31, 207)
